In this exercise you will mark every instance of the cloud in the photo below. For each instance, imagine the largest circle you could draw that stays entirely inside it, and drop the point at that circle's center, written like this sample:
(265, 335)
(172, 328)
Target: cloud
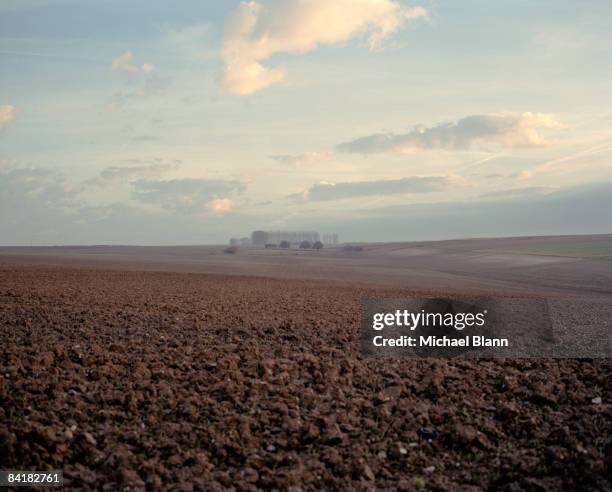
(526, 174)
(44, 187)
(32, 200)
(257, 30)
(7, 114)
(352, 189)
(520, 192)
(189, 195)
(505, 129)
(123, 63)
(221, 205)
(149, 84)
(302, 159)
(151, 87)
(579, 210)
(41, 206)
(562, 162)
(120, 174)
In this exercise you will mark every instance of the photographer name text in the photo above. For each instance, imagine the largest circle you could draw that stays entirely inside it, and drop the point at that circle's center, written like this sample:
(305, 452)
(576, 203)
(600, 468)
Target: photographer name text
(414, 320)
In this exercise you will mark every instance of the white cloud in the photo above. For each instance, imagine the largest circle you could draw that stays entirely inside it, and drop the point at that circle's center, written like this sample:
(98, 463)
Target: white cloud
(7, 114)
(257, 30)
(505, 129)
(124, 63)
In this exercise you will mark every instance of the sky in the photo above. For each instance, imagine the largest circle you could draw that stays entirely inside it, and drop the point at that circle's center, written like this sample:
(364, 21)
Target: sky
(192, 121)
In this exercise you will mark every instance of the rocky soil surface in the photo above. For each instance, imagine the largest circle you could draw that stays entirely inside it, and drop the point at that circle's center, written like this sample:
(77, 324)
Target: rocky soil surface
(176, 381)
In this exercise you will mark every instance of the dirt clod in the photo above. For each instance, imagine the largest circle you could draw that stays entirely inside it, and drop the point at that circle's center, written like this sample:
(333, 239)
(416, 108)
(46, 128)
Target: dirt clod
(164, 381)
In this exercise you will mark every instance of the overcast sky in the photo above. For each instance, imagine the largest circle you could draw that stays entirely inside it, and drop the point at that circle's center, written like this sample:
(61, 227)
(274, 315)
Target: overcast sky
(191, 121)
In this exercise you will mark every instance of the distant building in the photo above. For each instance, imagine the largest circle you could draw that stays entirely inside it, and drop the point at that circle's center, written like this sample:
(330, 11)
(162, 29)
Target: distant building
(293, 237)
(263, 238)
(259, 238)
(330, 239)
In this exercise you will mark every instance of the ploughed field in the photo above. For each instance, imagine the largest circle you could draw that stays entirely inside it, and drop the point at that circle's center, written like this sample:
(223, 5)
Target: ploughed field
(173, 381)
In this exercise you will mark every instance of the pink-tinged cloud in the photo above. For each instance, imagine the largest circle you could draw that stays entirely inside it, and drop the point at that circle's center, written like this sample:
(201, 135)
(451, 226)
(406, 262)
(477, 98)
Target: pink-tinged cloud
(257, 30)
(124, 63)
(7, 114)
(503, 129)
(221, 205)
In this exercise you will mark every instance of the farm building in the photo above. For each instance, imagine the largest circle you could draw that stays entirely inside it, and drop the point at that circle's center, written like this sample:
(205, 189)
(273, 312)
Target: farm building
(293, 237)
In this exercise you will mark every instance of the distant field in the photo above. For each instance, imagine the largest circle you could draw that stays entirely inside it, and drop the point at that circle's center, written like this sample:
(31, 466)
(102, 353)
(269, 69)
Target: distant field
(461, 265)
(587, 249)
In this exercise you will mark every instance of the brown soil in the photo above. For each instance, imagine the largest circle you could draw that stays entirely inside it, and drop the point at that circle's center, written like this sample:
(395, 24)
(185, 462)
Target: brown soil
(176, 381)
